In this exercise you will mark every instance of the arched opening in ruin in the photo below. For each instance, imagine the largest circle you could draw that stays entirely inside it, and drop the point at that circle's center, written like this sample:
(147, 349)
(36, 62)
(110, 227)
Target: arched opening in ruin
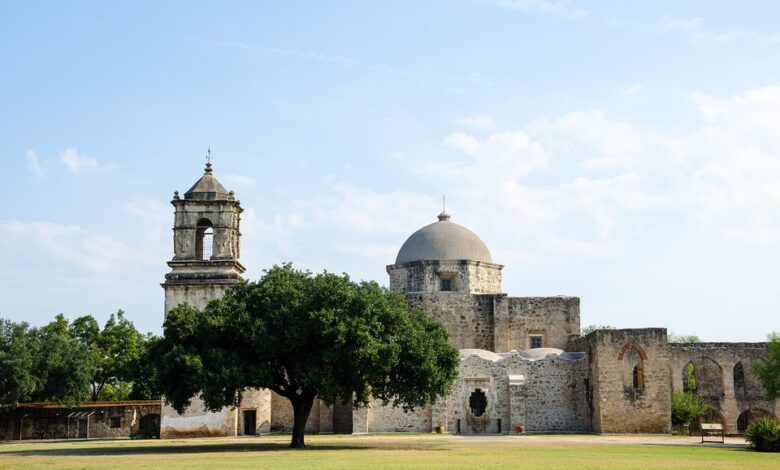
(689, 377)
(632, 363)
(711, 417)
(204, 240)
(748, 416)
(739, 379)
(638, 377)
(703, 376)
(478, 402)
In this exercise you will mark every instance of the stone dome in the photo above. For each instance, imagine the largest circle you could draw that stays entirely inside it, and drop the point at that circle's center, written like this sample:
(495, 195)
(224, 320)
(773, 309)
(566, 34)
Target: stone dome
(443, 240)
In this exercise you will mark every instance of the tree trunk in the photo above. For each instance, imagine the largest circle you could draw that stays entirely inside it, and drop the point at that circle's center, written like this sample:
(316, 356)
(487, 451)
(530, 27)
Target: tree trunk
(301, 408)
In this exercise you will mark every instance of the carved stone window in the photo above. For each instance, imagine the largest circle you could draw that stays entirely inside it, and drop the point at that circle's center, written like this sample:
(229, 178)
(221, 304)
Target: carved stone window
(535, 341)
(478, 402)
(445, 285)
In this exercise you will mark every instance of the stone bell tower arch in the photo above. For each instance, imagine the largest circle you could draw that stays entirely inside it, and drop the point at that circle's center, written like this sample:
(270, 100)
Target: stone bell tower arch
(206, 244)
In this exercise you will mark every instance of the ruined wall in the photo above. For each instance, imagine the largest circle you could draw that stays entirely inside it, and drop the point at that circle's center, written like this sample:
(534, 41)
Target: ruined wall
(714, 365)
(54, 421)
(618, 406)
(543, 394)
(260, 402)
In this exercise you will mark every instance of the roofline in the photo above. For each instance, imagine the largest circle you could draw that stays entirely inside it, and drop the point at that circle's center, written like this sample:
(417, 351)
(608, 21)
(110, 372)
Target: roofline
(90, 404)
(440, 261)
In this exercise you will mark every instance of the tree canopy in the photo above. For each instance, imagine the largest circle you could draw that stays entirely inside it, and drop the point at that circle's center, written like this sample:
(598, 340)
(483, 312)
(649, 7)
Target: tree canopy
(72, 362)
(768, 371)
(305, 336)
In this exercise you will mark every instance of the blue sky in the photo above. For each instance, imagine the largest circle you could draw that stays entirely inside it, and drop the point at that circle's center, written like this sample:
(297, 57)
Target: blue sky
(625, 153)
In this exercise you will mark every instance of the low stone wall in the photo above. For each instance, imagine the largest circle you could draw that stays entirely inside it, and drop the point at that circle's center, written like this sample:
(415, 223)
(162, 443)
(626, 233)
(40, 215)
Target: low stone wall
(87, 420)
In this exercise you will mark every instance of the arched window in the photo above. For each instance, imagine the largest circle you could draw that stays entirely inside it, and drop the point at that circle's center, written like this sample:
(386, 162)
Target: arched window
(689, 378)
(739, 380)
(639, 377)
(478, 402)
(204, 240)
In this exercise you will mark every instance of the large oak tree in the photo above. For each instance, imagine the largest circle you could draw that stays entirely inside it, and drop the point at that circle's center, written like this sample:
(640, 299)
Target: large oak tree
(305, 336)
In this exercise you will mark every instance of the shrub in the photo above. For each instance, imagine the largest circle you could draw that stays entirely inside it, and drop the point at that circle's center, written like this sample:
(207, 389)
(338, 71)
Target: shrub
(763, 435)
(686, 407)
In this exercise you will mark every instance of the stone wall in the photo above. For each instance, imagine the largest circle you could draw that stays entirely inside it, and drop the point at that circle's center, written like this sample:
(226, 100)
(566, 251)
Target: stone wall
(425, 276)
(196, 421)
(557, 319)
(544, 394)
(618, 406)
(385, 418)
(468, 318)
(320, 417)
(91, 420)
(714, 365)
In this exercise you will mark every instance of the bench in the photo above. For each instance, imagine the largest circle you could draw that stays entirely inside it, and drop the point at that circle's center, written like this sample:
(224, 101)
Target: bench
(709, 429)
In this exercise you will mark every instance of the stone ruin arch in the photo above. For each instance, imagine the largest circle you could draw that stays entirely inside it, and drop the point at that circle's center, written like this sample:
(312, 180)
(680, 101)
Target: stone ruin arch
(703, 376)
(750, 415)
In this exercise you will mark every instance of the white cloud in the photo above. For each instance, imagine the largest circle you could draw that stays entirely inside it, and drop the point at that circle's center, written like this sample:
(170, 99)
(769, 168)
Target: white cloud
(481, 122)
(70, 244)
(76, 162)
(545, 7)
(631, 90)
(34, 165)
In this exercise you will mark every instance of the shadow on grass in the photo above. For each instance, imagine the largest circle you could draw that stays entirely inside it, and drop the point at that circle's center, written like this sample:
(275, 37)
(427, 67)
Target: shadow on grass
(172, 449)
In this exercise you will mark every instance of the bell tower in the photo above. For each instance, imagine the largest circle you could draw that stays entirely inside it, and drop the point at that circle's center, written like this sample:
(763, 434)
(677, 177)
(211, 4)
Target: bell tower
(205, 244)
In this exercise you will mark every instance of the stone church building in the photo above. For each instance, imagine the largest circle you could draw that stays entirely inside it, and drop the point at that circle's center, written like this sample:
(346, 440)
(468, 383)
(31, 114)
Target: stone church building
(524, 365)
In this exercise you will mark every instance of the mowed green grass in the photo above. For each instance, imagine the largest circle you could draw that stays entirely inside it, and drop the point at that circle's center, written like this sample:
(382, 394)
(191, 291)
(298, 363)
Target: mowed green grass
(382, 451)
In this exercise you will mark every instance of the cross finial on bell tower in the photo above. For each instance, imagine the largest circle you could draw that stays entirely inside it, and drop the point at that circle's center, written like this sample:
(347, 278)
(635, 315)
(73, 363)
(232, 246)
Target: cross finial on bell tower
(208, 161)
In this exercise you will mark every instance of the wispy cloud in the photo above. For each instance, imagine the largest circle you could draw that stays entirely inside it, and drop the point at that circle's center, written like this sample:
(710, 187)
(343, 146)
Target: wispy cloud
(77, 162)
(631, 90)
(314, 56)
(481, 121)
(545, 7)
(34, 165)
(695, 30)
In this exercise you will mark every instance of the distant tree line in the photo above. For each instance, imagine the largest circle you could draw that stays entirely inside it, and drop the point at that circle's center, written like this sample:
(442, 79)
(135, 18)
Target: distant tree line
(73, 362)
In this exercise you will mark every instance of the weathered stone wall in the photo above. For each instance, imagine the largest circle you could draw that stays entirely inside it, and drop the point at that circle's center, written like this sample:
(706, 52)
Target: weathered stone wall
(54, 421)
(547, 394)
(196, 421)
(320, 418)
(714, 370)
(384, 418)
(617, 406)
(425, 276)
(468, 318)
(196, 296)
(260, 402)
(557, 319)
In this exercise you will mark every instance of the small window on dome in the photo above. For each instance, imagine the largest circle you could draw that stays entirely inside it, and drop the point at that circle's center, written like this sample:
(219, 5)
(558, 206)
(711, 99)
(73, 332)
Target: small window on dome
(446, 285)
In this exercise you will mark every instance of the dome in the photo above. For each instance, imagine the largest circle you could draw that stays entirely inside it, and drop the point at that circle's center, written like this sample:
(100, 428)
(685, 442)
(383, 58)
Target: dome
(443, 240)
(483, 353)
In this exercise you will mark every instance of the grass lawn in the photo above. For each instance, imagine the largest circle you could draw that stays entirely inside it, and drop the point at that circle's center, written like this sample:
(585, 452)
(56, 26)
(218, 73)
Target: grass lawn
(386, 451)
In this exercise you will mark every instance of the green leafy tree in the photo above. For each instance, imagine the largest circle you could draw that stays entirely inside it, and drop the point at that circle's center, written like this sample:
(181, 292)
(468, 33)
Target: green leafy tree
(62, 365)
(116, 351)
(17, 360)
(305, 336)
(586, 330)
(145, 384)
(768, 371)
(675, 338)
(686, 407)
